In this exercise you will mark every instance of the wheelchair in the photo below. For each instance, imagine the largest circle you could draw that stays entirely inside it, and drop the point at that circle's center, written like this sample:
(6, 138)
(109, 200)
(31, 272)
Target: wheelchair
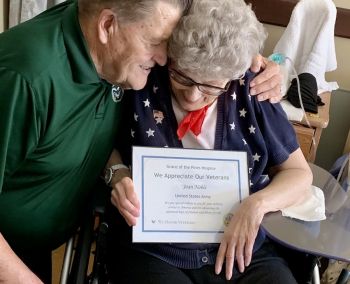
(89, 239)
(94, 239)
(303, 265)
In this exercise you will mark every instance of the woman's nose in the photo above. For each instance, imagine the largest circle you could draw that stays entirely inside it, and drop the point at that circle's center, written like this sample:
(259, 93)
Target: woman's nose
(193, 94)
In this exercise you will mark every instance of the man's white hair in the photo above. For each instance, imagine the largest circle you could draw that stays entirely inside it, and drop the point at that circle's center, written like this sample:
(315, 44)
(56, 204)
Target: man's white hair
(129, 10)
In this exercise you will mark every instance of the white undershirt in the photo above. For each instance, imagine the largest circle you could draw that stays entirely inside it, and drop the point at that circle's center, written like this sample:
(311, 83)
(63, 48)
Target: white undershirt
(206, 139)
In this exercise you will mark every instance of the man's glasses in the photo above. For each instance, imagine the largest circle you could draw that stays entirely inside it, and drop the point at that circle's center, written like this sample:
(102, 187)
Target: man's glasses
(204, 88)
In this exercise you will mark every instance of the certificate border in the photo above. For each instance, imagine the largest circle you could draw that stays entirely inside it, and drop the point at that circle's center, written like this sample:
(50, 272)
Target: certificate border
(143, 157)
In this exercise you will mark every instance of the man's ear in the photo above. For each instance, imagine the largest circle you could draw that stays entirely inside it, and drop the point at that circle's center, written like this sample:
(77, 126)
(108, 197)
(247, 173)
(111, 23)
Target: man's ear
(107, 25)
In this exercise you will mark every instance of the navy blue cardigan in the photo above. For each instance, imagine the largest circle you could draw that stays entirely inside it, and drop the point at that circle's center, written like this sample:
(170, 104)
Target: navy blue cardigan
(243, 124)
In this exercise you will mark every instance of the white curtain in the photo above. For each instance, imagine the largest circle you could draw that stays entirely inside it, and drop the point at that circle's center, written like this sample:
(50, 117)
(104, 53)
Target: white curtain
(23, 10)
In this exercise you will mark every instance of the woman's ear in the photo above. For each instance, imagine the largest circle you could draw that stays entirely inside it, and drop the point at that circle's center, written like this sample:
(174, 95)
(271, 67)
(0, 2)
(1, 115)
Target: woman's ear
(107, 25)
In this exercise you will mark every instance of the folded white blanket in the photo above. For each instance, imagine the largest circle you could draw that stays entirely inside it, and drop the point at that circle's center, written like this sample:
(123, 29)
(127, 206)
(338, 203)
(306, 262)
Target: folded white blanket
(309, 40)
(293, 113)
(312, 209)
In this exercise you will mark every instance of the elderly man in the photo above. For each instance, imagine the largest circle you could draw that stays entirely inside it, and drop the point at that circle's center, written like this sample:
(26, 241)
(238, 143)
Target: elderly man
(59, 112)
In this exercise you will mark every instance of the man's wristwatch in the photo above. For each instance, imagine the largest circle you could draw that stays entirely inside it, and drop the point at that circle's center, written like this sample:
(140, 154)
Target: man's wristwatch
(109, 172)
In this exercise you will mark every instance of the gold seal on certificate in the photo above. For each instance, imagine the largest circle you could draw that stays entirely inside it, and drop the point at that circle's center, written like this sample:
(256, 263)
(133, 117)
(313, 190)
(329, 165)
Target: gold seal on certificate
(227, 219)
(187, 195)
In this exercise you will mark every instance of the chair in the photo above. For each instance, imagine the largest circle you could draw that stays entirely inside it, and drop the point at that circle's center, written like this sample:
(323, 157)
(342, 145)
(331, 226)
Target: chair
(301, 242)
(340, 170)
(303, 265)
(319, 238)
(75, 271)
(76, 264)
(344, 277)
(78, 249)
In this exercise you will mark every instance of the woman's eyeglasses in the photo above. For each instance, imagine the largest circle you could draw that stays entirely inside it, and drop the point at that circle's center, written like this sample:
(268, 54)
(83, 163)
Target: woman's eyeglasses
(204, 88)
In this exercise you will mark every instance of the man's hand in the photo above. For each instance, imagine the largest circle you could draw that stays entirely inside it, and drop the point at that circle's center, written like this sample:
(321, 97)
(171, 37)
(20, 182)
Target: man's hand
(124, 198)
(239, 237)
(267, 85)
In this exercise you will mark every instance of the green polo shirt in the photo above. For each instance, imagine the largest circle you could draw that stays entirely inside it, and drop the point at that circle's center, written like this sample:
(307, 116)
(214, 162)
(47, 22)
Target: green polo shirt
(57, 126)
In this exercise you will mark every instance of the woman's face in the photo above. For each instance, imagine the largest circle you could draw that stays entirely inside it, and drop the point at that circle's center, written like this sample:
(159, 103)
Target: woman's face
(193, 93)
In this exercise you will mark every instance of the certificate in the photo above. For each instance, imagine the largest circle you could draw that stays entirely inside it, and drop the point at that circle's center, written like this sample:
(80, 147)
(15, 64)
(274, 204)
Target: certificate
(187, 195)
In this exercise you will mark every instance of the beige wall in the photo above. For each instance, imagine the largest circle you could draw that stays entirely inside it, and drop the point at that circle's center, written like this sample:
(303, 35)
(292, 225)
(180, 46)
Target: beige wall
(4, 4)
(341, 75)
(2, 22)
(342, 45)
(342, 3)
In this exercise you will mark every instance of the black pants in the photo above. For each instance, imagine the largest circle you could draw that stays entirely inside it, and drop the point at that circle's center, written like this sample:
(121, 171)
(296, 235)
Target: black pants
(129, 266)
(39, 262)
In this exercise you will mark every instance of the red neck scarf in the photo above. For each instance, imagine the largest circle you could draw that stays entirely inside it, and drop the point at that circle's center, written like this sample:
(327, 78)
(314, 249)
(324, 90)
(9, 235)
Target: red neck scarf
(192, 121)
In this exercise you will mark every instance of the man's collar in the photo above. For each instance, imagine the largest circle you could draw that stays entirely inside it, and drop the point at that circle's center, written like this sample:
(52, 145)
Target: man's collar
(84, 70)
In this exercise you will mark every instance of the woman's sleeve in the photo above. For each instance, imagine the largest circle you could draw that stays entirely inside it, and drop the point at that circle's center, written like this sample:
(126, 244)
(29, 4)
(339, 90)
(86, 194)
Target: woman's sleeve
(278, 133)
(19, 131)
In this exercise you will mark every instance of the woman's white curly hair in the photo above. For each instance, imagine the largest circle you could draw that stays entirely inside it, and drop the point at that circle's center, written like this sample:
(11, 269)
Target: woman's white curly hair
(217, 39)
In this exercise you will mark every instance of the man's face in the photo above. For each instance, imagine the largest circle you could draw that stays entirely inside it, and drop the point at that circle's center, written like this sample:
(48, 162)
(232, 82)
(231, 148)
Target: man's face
(136, 47)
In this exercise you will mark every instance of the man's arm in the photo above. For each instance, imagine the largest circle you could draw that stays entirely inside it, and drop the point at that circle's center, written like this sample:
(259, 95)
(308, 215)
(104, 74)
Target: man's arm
(12, 269)
(18, 136)
(19, 122)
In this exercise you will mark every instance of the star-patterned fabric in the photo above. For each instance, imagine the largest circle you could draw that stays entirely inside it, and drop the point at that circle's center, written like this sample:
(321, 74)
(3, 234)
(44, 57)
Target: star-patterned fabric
(243, 124)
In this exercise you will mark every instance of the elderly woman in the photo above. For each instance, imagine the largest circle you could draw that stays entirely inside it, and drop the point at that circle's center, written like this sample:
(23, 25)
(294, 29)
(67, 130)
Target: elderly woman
(201, 100)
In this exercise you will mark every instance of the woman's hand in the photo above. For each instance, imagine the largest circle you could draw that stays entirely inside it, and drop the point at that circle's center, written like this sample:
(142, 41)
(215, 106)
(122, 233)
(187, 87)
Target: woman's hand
(124, 198)
(284, 190)
(239, 237)
(267, 85)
